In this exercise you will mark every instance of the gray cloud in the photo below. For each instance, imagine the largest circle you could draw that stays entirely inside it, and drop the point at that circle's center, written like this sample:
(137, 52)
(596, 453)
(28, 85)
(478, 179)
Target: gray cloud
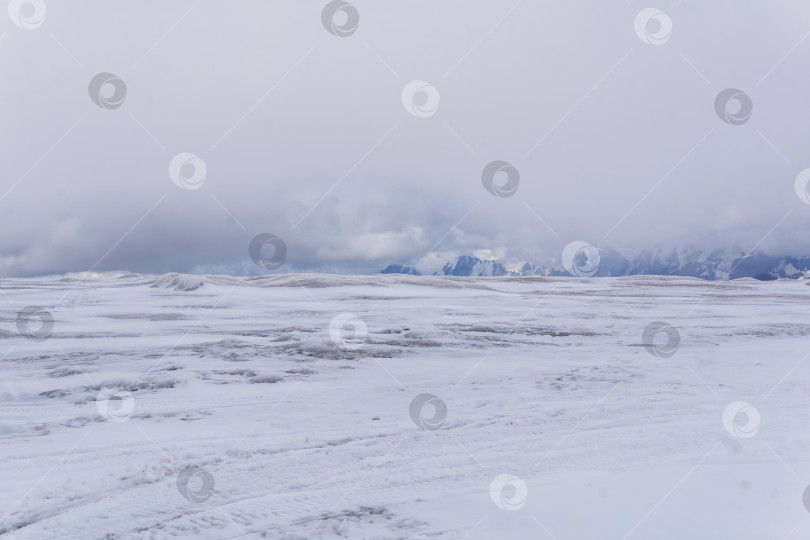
(304, 134)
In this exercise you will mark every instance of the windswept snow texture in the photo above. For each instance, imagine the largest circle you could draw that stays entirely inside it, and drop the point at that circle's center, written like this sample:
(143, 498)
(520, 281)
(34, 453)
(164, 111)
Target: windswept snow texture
(545, 379)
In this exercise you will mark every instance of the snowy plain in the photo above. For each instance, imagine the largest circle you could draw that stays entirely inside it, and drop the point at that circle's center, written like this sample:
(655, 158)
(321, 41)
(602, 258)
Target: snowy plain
(288, 434)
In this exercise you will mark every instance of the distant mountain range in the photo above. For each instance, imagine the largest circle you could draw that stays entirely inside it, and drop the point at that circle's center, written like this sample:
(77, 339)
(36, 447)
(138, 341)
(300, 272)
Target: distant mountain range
(714, 265)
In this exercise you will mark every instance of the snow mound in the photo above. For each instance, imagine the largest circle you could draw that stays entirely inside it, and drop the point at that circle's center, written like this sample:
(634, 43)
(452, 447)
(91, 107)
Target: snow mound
(190, 282)
(746, 280)
(179, 282)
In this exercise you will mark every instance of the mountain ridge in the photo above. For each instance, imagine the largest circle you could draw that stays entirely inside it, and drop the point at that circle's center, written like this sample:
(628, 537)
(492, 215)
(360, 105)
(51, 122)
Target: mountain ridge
(716, 265)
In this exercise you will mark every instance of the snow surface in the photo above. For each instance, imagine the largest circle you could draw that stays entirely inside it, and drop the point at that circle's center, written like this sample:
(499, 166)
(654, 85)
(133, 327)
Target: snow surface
(545, 379)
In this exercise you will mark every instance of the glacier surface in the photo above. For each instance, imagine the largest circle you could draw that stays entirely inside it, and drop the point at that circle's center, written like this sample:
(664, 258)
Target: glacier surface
(221, 407)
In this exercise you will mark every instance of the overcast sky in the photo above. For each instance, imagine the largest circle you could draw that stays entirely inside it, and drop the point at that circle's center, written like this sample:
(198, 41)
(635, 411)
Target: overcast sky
(304, 134)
